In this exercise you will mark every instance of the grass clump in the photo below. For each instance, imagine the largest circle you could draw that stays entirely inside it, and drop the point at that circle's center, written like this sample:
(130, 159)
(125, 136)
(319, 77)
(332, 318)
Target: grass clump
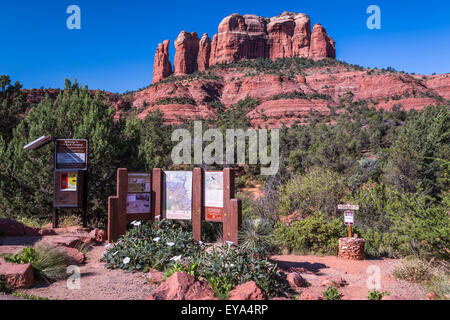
(414, 270)
(49, 262)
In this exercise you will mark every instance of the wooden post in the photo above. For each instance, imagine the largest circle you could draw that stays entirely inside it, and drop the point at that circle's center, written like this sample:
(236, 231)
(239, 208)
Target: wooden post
(55, 222)
(122, 190)
(157, 192)
(228, 194)
(113, 234)
(235, 213)
(349, 231)
(197, 203)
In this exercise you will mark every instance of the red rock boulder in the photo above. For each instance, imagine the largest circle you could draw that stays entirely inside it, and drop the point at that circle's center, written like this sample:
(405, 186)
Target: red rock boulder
(295, 280)
(247, 291)
(75, 256)
(98, 235)
(182, 286)
(17, 275)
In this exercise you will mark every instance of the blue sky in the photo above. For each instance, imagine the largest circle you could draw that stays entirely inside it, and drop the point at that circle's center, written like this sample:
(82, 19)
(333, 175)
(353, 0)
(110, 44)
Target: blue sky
(114, 50)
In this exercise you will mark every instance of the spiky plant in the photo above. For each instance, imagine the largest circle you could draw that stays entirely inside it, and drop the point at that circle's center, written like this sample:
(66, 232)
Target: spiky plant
(255, 235)
(50, 262)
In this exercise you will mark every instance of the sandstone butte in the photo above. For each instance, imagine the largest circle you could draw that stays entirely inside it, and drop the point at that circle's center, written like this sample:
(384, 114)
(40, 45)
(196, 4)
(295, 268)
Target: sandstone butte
(227, 69)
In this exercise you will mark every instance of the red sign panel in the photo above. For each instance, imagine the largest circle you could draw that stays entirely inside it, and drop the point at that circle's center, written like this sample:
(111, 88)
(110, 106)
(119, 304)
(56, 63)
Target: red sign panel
(213, 214)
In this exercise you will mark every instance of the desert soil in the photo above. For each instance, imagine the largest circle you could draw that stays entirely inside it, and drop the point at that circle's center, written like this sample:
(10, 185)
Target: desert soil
(100, 283)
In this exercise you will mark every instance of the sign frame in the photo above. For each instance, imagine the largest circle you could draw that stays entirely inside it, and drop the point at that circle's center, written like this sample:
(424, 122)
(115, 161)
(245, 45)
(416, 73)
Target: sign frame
(213, 213)
(75, 166)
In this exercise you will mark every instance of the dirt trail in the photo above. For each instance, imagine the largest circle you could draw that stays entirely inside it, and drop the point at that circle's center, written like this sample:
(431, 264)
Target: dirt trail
(355, 273)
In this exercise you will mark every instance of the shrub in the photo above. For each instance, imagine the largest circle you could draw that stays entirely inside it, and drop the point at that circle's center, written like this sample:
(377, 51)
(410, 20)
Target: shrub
(152, 245)
(376, 295)
(331, 293)
(318, 190)
(313, 234)
(414, 270)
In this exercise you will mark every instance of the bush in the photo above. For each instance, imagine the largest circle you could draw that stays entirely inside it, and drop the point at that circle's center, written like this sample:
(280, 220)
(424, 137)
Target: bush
(313, 234)
(414, 270)
(376, 295)
(318, 190)
(331, 293)
(151, 245)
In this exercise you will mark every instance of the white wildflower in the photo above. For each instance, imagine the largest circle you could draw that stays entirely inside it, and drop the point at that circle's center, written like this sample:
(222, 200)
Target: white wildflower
(170, 244)
(176, 258)
(230, 243)
(126, 260)
(156, 239)
(108, 246)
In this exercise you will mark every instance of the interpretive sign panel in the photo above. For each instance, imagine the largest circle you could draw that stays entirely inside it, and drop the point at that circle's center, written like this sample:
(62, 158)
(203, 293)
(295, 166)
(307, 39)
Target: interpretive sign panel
(71, 154)
(138, 203)
(139, 182)
(213, 195)
(177, 195)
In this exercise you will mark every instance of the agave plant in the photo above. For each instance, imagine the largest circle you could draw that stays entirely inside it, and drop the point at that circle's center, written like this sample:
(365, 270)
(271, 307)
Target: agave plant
(255, 235)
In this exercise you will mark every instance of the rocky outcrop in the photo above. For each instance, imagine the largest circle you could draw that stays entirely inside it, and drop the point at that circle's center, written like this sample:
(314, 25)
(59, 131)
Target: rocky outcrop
(241, 37)
(322, 46)
(186, 53)
(204, 53)
(161, 66)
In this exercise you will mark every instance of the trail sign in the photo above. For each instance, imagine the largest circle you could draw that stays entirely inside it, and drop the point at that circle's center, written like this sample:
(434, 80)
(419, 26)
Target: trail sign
(71, 154)
(348, 218)
(348, 207)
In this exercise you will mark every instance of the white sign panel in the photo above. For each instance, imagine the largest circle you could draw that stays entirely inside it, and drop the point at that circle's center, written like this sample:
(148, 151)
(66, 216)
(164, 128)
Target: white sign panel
(348, 218)
(177, 195)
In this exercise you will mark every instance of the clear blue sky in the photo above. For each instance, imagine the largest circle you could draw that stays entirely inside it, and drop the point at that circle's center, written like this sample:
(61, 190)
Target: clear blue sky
(114, 50)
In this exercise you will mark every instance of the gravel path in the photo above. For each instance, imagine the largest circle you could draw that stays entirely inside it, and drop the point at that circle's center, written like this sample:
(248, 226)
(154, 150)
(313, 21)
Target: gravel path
(97, 283)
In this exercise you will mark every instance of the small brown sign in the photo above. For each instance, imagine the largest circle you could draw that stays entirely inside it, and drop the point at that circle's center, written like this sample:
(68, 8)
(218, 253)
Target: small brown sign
(71, 154)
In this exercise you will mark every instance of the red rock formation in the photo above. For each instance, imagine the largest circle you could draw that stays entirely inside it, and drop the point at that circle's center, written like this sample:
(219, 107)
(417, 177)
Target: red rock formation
(204, 53)
(245, 37)
(162, 67)
(322, 46)
(186, 52)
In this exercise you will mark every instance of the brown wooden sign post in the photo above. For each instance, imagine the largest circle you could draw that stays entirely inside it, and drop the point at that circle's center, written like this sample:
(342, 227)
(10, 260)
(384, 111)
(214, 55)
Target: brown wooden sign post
(117, 205)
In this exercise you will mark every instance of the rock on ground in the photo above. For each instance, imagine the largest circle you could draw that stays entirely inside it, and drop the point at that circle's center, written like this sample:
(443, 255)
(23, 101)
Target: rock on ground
(247, 291)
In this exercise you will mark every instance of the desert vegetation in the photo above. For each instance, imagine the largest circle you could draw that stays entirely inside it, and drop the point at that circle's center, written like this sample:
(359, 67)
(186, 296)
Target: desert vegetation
(394, 164)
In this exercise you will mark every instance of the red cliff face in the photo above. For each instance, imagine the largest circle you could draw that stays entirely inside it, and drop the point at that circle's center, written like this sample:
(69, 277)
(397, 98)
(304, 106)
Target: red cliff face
(249, 37)
(162, 67)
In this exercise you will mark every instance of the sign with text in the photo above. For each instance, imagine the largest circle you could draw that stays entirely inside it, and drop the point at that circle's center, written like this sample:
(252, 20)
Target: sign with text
(213, 195)
(348, 207)
(71, 154)
(348, 218)
(139, 182)
(138, 203)
(69, 182)
(177, 195)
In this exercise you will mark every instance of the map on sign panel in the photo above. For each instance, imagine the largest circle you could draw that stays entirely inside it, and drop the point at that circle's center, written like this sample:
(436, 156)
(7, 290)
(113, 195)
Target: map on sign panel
(177, 186)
